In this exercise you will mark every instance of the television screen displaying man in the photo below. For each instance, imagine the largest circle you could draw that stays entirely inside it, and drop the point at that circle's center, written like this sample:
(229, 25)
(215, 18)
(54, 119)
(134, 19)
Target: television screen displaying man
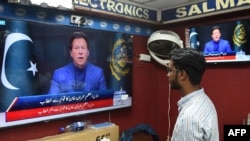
(80, 75)
(217, 45)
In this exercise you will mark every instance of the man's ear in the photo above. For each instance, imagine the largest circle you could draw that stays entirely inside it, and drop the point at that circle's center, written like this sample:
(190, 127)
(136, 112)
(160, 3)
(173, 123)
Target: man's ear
(182, 75)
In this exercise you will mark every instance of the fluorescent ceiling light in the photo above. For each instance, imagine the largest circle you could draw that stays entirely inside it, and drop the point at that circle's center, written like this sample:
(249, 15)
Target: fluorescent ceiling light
(68, 4)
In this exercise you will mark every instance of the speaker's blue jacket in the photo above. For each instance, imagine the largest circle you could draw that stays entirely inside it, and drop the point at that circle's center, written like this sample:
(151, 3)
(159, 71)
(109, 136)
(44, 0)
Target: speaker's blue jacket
(72, 79)
(223, 46)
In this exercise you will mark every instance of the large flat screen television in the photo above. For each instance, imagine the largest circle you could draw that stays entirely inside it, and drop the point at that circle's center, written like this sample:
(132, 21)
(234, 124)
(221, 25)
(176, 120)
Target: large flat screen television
(32, 51)
(235, 35)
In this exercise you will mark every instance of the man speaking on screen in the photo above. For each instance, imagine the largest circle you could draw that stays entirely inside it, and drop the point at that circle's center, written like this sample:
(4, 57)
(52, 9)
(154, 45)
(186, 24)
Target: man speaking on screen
(80, 75)
(217, 45)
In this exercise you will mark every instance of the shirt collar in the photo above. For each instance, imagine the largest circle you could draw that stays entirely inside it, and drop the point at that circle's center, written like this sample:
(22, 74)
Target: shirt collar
(217, 41)
(78, 69)
(184, 100)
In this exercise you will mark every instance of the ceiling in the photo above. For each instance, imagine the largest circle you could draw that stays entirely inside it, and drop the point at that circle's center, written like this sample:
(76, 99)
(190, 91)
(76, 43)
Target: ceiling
(163, 4)
(154, 4)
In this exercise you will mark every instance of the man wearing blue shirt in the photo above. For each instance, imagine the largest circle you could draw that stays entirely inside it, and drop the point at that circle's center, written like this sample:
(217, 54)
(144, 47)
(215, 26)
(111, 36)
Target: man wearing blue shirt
(217, 45)
(80, 75)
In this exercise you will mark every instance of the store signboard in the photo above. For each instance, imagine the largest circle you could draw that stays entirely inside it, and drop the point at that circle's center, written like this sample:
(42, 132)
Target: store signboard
(119, 9)
(202, 9)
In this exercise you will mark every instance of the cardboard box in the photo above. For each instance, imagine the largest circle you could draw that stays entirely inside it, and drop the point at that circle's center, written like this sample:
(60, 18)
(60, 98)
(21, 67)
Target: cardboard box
(110, 132)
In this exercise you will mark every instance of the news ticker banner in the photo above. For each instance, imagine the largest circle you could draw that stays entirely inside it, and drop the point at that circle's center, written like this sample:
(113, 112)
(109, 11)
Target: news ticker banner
(202, 9)
(27, 107)
(62, 17)
(39, 101)
(236, 132)
(55, 110)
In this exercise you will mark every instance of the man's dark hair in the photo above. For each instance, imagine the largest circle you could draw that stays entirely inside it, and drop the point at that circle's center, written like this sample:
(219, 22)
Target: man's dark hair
(191, 61)
(215, 27)
(76, 35)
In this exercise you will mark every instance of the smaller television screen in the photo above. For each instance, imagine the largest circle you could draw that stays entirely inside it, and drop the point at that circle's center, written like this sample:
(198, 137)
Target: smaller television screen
(222, 42)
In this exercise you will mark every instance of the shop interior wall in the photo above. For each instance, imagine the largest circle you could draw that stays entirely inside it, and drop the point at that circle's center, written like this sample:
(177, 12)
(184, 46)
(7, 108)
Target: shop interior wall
(226, 84)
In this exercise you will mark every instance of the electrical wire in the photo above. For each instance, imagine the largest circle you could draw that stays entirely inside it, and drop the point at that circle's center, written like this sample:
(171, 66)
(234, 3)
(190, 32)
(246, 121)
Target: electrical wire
(109, 117)
(169, 124)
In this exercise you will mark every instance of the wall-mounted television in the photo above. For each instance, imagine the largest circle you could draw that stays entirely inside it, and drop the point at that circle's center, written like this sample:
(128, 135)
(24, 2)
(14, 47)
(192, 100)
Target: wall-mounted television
(235, 35)
(32, 51)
